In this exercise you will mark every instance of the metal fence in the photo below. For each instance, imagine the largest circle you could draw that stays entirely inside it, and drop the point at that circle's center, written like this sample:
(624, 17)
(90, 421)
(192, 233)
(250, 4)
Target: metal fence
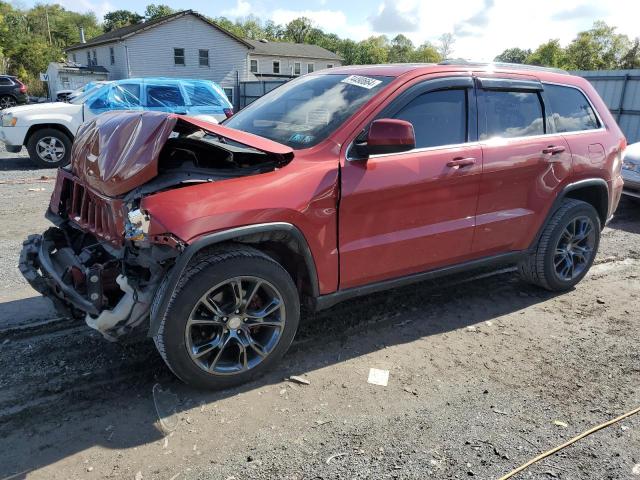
(251, 91)
(620, 90)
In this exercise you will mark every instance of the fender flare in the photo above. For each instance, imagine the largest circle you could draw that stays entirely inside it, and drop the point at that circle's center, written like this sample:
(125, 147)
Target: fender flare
(166, 289)
(587, 182)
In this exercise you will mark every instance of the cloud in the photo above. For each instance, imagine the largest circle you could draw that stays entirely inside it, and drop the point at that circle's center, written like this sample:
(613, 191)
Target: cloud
(390, 19)
(242, 9)
(579, 12)
(100, 8)
(475, 24)
(325, 19)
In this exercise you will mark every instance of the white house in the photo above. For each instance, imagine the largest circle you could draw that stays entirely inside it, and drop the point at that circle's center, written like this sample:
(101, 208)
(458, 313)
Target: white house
(69, 76)
(188, 45)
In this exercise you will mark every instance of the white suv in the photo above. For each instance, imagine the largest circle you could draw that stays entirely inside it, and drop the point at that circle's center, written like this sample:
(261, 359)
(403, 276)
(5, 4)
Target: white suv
(48, 129)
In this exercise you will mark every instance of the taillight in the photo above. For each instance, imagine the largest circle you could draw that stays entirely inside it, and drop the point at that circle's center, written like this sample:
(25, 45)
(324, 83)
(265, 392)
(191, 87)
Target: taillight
(23, 87)
(228, 112)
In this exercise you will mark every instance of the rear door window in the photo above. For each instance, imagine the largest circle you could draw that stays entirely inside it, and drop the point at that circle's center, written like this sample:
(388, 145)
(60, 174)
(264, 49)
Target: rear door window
(164, 98)
(571, 111)
(4, 81)
(438, 118)
(509, 114)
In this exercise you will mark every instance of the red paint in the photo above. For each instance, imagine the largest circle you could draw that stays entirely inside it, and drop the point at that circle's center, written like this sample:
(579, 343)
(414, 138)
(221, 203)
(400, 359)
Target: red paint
(388, 134)
(404, 212)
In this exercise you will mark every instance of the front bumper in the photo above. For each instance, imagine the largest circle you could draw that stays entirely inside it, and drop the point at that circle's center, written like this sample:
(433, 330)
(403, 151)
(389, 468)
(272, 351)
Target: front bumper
(45, 275)
(13, 136)
(631, 183)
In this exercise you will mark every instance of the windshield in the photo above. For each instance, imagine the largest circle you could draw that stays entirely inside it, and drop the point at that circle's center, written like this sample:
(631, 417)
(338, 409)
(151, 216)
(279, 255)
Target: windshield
(306, 111)
(80, 99)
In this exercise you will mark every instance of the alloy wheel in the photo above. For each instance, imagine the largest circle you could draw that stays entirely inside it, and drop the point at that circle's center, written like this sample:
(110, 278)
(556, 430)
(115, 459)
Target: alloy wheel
(7, 102)
(50, 149)
(575, 248)
(235, 325)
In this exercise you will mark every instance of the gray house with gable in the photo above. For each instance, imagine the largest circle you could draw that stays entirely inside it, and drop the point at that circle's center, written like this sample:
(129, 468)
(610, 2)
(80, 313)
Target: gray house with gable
(188, 45)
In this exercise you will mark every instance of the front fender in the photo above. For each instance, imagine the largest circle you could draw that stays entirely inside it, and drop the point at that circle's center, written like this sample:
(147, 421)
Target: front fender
(165, 292)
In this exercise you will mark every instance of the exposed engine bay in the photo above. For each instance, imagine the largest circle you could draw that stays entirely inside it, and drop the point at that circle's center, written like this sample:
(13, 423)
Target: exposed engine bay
(105, 258)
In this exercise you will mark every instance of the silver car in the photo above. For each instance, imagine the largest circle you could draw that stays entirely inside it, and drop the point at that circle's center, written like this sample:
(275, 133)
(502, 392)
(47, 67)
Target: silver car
(631, 171)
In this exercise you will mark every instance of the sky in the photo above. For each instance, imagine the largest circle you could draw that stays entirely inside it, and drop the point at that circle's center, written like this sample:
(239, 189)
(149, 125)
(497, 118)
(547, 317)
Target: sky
(482, 28)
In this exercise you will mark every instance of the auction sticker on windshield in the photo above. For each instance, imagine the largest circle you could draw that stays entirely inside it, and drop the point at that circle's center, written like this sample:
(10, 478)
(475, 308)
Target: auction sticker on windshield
(364, 82)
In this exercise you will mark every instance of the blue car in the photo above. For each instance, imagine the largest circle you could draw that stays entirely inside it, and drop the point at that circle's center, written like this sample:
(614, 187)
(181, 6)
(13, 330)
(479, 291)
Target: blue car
(202, 98)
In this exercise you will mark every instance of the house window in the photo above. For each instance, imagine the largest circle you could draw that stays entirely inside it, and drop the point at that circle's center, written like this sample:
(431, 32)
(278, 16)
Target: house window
(329, 65)
(112, 55)
(253, 66)
(75, 59)
(228, 91)
(88, 58)
(178, 56)
(310, 67)
(203, 58)
(276, 66)
(95, 58)
(296, 68)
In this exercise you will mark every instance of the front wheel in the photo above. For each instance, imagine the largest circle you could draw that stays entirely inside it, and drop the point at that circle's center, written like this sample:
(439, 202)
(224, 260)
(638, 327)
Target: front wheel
(566, 249)
(49, 148)
(232, 316)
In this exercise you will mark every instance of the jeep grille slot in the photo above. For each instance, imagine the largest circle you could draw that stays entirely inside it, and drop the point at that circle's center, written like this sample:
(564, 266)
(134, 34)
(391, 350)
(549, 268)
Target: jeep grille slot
(92, 212)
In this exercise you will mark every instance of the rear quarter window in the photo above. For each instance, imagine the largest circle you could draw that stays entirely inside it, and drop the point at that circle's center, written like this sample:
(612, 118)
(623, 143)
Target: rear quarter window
(571, 110)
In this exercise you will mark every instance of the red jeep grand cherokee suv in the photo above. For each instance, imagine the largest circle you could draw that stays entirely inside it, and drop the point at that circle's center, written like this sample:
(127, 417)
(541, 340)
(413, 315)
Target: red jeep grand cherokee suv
(337, 184)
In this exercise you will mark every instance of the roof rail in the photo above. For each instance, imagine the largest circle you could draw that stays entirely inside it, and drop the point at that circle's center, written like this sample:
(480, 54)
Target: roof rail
(512, 66)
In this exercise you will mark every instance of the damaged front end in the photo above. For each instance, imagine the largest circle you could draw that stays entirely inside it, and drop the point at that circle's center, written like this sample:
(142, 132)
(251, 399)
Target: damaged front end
(105, 258)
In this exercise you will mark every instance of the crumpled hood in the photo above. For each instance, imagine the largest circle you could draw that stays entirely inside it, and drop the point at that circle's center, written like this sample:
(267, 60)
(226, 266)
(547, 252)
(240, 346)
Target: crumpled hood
(118, 151)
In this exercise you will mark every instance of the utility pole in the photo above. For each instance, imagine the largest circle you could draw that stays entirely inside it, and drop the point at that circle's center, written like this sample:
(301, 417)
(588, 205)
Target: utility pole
(46, 14)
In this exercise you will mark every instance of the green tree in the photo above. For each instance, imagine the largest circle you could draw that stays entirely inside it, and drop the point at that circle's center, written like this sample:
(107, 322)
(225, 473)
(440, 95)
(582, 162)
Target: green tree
(549, 54)
(598, 48)
(120, 18)
(350, 52)
(513, 55)
(401, 49)
(427, 53)
(154, 11)
(298, 29)
(374, 50)
(631, 59)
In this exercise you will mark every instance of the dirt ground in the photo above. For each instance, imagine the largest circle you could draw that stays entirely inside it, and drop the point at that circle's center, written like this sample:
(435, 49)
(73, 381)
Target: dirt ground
(486, 372)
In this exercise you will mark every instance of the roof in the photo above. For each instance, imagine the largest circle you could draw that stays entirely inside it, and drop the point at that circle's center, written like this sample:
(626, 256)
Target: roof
(76, 67)
(286, 49)
(413, 69)
(124, 32)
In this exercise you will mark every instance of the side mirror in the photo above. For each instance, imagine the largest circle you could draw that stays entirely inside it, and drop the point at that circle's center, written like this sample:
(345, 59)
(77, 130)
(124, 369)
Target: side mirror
(389, 135)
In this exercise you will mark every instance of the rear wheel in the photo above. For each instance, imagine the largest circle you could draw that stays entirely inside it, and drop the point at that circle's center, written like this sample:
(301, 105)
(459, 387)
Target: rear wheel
(232, 316)
(566, 249)
(49, 148)
(7, 101)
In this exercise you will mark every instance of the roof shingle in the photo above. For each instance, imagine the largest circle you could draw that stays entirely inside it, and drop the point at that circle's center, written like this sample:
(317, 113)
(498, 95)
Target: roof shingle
(285, 49)
(123, 32)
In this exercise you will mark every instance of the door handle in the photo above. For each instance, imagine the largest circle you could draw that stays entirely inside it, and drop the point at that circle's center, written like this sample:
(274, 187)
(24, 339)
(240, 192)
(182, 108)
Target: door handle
(461, 162)
(553, 150)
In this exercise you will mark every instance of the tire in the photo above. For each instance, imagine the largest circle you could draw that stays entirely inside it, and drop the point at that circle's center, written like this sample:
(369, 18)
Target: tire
(545, 266)
(211, 276)
(39, 142)
(7, 101)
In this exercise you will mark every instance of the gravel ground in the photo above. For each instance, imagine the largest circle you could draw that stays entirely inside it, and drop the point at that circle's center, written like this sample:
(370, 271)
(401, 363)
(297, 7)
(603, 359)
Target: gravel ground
(485, 373)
